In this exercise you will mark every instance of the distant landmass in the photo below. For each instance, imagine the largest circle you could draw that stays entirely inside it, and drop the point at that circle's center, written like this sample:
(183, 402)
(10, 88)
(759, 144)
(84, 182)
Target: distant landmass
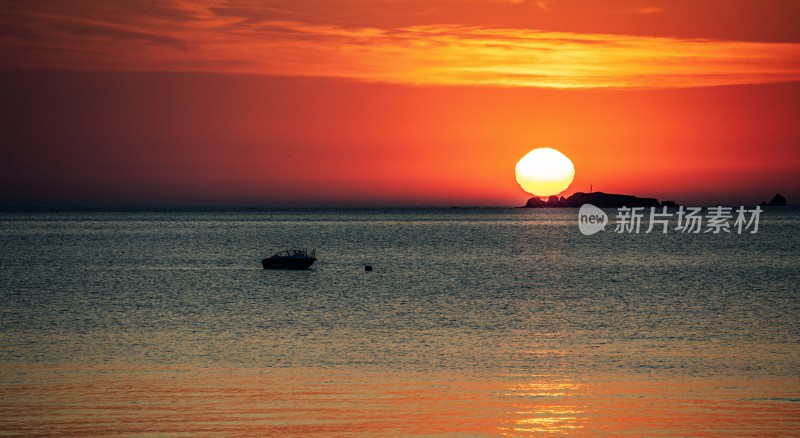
(776, 201)
(598, 199)
(611, 200)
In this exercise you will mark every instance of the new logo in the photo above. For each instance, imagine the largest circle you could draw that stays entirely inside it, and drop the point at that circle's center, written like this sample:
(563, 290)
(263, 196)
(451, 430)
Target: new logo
(591, 219)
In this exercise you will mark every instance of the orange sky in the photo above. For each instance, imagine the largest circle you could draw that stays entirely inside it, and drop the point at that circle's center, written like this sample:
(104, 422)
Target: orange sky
(395, 102)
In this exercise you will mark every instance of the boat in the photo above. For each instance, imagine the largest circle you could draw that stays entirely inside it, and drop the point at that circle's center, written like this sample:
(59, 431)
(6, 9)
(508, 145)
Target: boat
(297, 259)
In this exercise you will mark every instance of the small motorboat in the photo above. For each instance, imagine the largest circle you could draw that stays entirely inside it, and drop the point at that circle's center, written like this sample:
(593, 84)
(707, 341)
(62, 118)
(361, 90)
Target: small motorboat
(297, 259)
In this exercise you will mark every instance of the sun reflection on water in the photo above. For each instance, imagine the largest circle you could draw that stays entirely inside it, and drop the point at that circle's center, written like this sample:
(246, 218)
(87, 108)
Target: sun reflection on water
(550, 407)
(201, 401)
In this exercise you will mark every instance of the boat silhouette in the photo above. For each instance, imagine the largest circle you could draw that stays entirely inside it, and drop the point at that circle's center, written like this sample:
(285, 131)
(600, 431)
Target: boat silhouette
(295, 259)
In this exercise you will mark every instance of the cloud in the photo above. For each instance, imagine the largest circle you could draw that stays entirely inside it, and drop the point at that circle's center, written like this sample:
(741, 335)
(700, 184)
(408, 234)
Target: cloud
(202, 37)
(647, 10)
(111, 33)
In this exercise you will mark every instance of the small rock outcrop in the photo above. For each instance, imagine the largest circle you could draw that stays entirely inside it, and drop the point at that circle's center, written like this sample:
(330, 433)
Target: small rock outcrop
(777, 201)
(536, 202)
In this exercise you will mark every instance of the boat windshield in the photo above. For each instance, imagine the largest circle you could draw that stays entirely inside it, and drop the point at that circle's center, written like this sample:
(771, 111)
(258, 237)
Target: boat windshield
(290, 253)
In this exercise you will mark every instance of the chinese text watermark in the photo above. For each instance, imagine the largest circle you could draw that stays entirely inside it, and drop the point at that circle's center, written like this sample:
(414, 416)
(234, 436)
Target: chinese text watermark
(686, 220)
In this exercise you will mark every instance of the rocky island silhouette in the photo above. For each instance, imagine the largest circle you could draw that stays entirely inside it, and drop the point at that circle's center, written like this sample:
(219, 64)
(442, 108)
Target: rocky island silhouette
(777, 201)
(598, 199)
(612, 200)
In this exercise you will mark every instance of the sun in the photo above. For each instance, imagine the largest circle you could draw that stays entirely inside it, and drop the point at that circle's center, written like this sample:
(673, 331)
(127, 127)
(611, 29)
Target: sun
(545, 172)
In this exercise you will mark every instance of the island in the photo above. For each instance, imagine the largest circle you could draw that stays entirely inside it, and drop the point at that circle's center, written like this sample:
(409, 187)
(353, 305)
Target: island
(777, 201)
(598, 199)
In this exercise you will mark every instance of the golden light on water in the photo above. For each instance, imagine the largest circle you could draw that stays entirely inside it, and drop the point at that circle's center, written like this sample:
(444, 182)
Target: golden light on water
(92, 401)
(548, 407)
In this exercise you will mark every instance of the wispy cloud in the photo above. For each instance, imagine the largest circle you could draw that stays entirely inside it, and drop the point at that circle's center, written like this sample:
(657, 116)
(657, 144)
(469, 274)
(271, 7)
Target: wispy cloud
(649, 10)
(544, 4)
(189, 37)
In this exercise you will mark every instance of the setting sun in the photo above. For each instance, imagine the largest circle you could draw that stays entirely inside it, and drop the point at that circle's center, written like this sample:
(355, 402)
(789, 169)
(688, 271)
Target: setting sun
(259, 209)
(545, 172)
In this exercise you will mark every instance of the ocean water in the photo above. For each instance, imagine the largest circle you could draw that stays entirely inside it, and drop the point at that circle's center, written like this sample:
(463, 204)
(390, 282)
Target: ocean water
(474, 322)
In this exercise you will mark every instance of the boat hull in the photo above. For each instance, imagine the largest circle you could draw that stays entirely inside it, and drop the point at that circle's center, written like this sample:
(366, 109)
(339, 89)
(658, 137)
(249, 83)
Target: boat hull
(296, 264)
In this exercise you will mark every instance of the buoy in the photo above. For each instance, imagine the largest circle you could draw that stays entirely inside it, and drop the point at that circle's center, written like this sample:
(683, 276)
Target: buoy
(368, 268)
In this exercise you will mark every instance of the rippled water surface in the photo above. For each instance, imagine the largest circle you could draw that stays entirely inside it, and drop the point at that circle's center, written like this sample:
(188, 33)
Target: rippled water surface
(473, 322)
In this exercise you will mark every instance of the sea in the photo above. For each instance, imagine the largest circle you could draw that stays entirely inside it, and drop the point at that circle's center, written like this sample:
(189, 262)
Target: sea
(473, 322)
